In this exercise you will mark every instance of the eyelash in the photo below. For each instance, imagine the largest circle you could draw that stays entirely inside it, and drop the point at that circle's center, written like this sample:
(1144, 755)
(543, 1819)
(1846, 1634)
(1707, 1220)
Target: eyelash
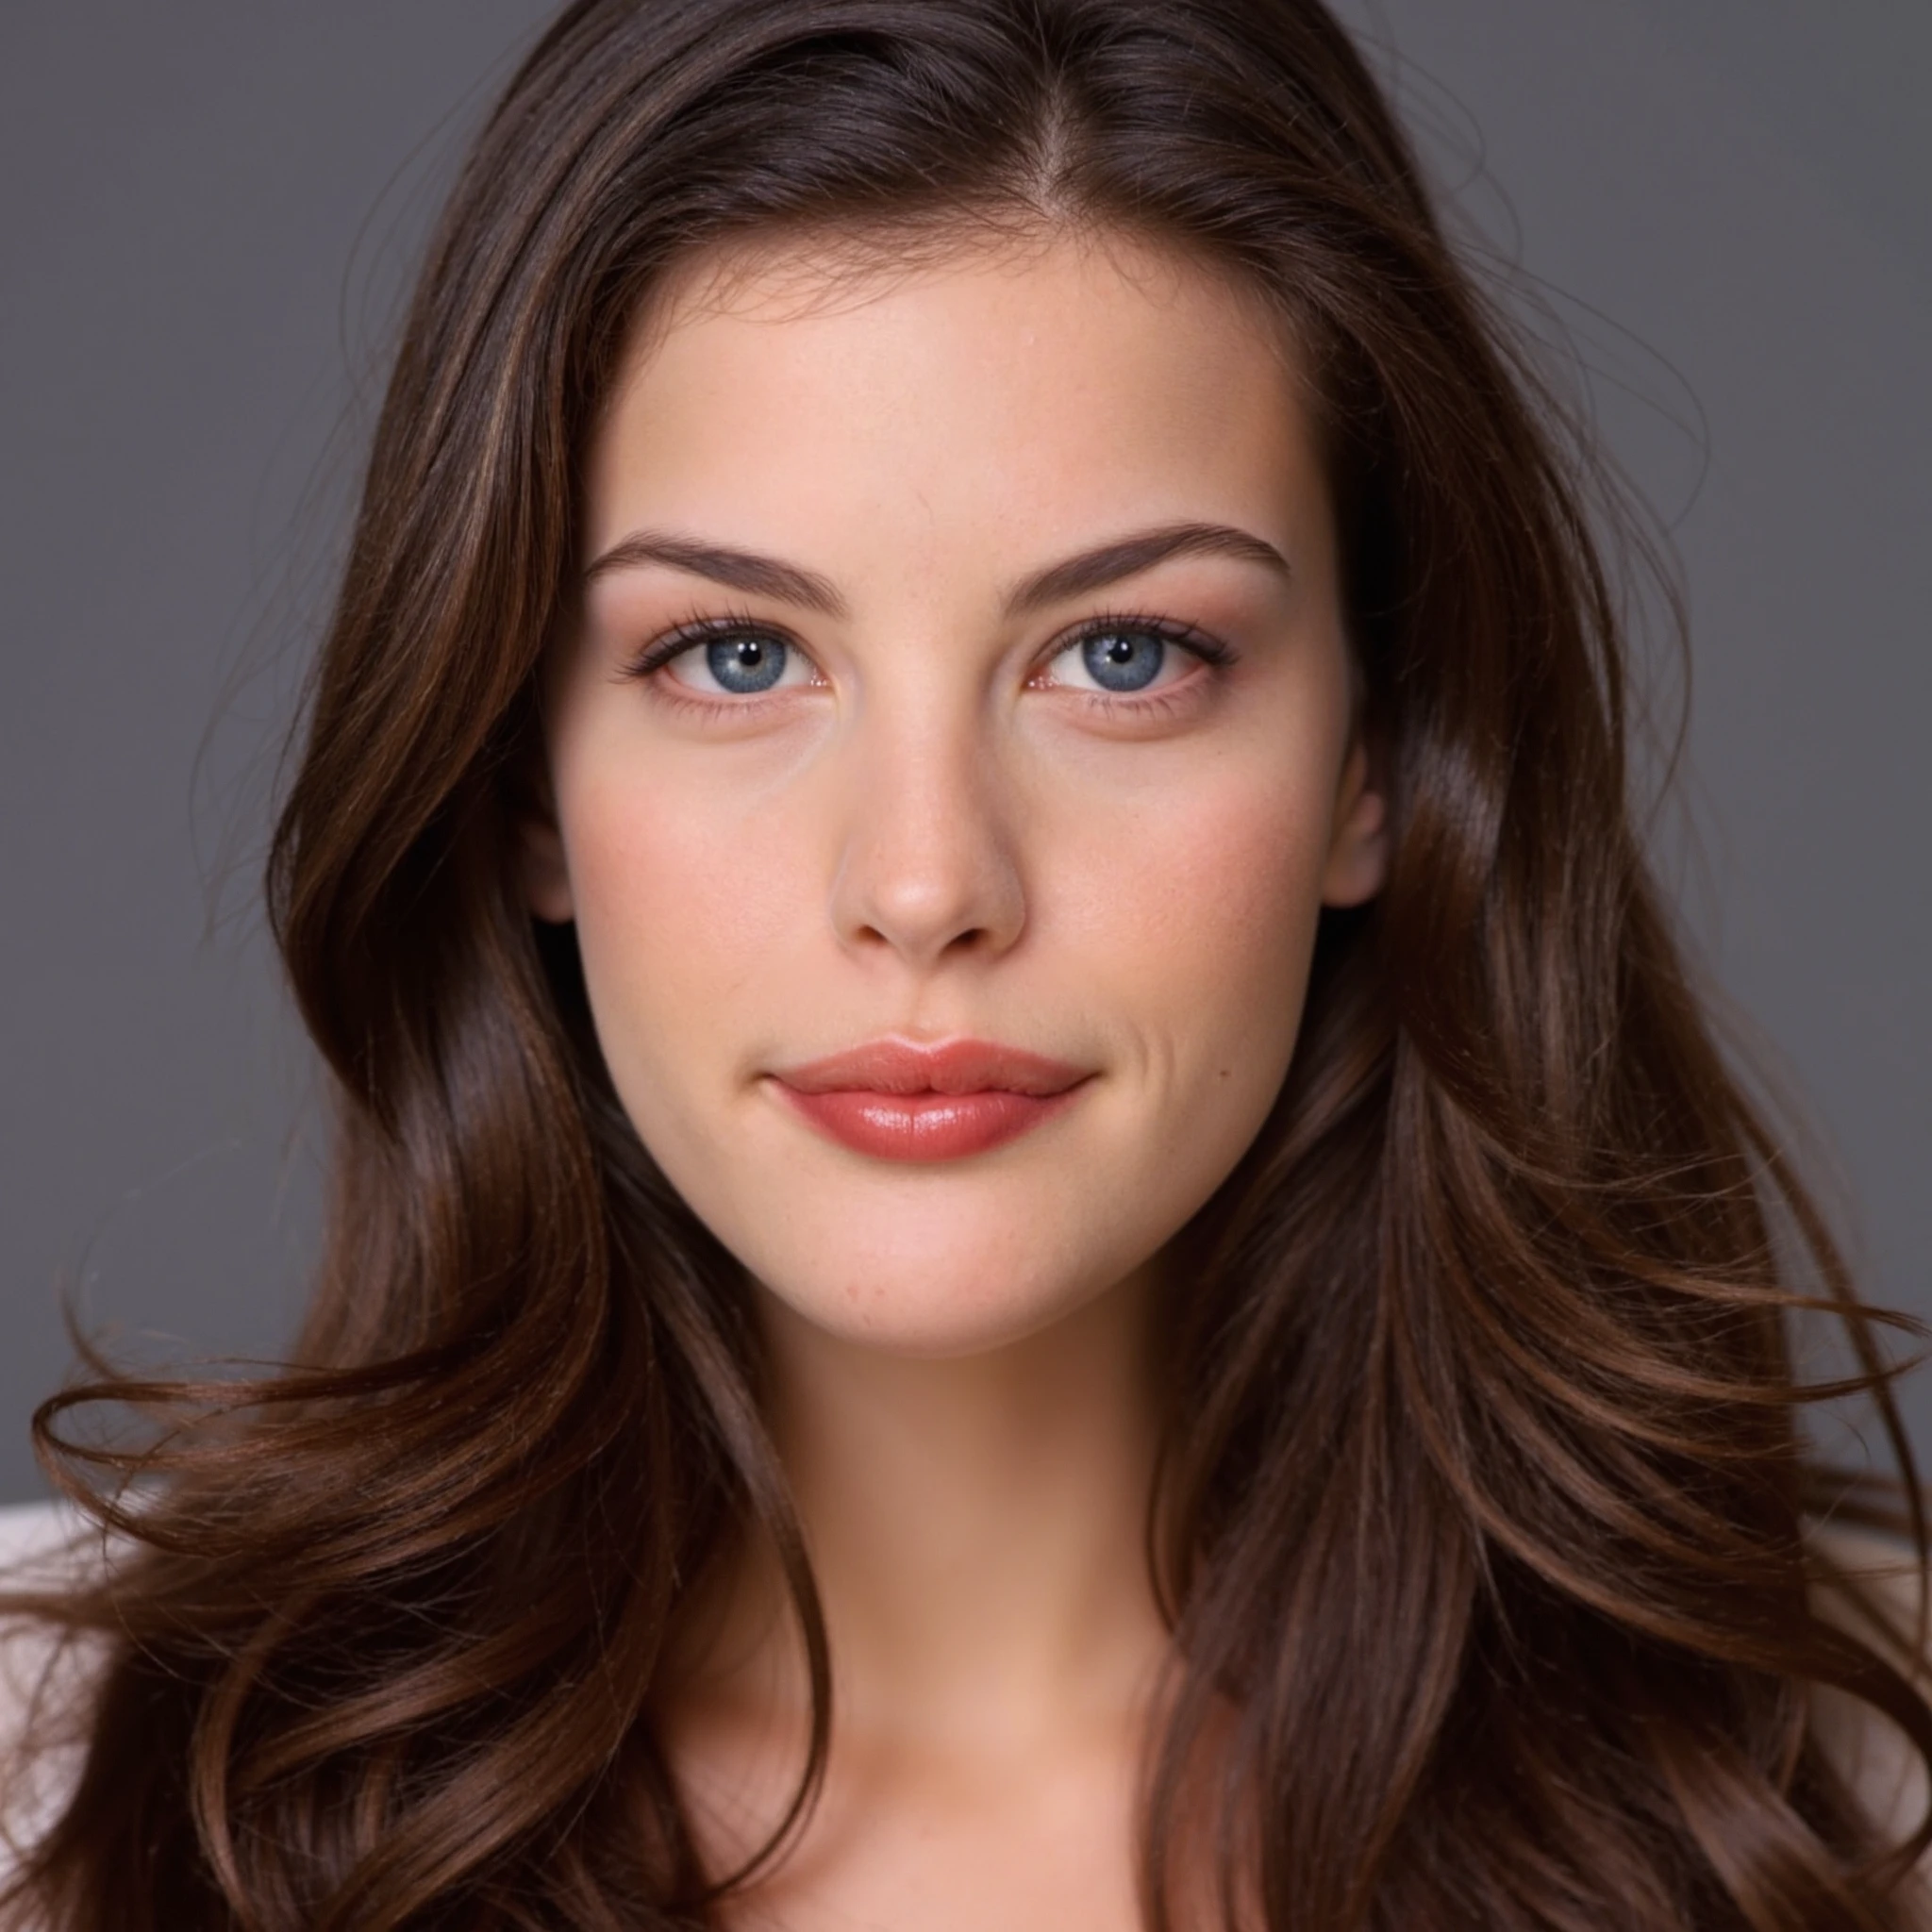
(1207, 650)
(711, 628)
(719, 627)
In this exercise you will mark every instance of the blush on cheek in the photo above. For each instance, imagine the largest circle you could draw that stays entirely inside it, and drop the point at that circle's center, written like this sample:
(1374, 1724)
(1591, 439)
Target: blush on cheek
(679, 913)
(1226, 918)
(1231, 878)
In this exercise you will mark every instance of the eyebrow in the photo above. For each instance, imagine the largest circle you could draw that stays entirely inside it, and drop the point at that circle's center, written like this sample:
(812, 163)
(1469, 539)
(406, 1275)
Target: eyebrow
(1126, 556)
(1073, 576)
(742, 570)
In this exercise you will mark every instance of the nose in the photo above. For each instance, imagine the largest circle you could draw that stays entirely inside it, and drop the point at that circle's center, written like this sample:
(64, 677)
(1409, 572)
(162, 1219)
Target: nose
(928, 868)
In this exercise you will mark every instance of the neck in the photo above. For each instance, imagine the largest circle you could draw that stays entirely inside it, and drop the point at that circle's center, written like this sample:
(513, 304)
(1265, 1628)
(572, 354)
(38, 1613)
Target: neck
(976, 1527)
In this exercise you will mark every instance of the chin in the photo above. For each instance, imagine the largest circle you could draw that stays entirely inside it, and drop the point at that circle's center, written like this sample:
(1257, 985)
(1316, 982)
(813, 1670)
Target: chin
(932, 1320)
(938, 1298)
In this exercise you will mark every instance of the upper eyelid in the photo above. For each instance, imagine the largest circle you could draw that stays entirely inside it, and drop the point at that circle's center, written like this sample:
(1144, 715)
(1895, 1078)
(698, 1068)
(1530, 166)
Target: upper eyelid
(1207, 649)
(703, 628)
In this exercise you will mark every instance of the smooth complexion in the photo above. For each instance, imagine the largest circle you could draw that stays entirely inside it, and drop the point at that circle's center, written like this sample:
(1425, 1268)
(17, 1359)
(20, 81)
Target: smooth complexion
(961, 670)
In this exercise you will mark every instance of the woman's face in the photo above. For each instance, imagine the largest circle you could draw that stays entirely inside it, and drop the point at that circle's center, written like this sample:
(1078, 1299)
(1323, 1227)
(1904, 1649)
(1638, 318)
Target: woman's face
(950, 766)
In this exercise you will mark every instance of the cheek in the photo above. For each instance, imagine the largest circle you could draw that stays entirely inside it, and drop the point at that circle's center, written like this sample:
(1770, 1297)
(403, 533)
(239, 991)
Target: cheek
(1196, 917)
(688, 911)
(1204, 906)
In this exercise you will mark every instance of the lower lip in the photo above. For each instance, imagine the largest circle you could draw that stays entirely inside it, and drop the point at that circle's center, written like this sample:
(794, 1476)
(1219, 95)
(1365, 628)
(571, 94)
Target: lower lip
(926, 1126)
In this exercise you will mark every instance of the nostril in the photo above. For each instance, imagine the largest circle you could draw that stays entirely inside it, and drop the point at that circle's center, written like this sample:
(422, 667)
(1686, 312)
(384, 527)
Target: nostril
(972, 939)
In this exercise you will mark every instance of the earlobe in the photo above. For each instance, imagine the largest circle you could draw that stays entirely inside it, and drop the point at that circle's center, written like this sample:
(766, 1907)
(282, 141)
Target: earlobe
(544, 871)
(1358, 852)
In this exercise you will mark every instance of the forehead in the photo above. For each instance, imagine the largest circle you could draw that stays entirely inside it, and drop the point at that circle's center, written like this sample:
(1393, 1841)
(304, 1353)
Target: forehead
(1002, 387)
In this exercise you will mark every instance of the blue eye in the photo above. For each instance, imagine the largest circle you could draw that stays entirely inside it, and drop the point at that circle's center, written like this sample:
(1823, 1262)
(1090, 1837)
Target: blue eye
(1124, 659)
(741, 661)
(746, 665)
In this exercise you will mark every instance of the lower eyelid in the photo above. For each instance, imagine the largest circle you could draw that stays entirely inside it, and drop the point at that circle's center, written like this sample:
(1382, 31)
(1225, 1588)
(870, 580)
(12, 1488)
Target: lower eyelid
(665, 668)
(1190, 664)
(717, 706)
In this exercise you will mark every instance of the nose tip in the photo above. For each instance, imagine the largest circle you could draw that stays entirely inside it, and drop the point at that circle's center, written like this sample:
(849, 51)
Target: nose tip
(927, 870)
(922, 922)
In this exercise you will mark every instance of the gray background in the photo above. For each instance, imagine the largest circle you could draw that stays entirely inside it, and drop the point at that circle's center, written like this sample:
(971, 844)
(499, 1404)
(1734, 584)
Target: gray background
(207, 212)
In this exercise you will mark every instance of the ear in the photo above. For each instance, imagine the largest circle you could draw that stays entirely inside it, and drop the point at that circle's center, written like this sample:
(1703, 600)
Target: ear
(1359, 850)
(543, 866)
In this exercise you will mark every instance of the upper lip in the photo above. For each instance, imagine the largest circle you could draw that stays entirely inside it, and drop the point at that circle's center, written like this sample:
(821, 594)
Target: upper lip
(952, 1066)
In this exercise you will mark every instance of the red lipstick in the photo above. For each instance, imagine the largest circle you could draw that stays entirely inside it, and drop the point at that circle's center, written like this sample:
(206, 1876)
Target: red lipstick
(895, 1101)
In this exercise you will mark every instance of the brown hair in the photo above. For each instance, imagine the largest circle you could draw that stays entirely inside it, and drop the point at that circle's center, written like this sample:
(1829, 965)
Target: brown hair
(1486, 1518)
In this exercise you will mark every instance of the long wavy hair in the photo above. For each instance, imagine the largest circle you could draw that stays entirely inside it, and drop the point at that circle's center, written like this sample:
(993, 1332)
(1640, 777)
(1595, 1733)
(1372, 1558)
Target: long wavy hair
(1485, 1506)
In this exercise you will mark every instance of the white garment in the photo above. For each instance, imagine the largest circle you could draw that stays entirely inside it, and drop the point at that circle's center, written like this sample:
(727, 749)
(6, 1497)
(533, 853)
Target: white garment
(40, 1543)
(1880, 1765)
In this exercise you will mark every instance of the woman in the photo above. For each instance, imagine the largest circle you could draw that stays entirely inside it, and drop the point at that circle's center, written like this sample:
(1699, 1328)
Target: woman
(1031, 1222)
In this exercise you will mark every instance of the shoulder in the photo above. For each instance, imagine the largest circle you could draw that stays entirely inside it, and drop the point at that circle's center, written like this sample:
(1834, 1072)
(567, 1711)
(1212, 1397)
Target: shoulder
(43, 1678)
(1874, 1589)
(31, 1532)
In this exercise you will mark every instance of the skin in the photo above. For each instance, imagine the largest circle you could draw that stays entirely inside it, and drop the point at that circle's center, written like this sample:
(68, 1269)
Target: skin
(935, 826)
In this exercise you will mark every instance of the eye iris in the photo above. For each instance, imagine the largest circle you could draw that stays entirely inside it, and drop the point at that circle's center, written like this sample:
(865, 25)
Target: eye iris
(1125, 659)
(746, 664)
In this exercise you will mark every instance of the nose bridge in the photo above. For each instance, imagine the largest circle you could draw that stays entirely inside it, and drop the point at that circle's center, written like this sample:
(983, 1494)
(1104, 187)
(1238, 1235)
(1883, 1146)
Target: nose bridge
(926, 864)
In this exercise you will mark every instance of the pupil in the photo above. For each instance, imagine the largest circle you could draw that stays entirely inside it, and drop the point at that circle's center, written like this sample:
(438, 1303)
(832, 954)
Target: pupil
(746, 665)
(1125, 659)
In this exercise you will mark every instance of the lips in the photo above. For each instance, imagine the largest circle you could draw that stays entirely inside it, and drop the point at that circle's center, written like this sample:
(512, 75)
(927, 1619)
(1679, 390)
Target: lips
(896, 1101)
